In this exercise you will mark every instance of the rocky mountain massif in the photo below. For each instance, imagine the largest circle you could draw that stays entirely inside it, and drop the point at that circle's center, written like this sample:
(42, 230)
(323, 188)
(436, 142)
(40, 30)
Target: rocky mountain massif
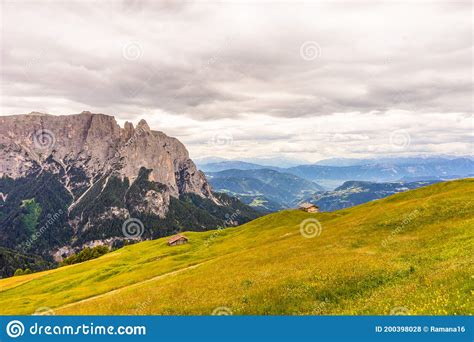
(72, 181)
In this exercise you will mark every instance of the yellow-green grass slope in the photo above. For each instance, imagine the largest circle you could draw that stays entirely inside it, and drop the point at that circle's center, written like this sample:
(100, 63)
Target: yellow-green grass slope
(411, 252)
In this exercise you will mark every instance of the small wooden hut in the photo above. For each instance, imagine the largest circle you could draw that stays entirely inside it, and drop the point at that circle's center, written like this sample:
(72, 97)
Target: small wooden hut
(177, 240)
(309, 207)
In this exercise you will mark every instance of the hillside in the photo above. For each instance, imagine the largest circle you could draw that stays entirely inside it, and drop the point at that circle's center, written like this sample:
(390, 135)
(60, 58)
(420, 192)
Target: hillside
(412, 250)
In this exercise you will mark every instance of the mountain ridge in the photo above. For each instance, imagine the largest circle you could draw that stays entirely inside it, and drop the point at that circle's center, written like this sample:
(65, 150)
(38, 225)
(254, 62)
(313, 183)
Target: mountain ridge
(81, 136)
(376, 170)
(99, 176)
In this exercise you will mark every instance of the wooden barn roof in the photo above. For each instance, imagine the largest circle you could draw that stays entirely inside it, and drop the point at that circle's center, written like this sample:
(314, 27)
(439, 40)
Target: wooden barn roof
(176, 238)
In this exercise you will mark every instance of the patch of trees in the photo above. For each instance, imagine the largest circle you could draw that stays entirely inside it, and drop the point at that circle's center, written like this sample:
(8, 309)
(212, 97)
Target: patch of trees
(86, 254)
(20, 272)
(11, 261)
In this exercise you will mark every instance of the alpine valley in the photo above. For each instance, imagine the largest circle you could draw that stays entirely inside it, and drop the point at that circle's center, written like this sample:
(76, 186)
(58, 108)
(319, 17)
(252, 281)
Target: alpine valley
(75, 181)
(331, 184)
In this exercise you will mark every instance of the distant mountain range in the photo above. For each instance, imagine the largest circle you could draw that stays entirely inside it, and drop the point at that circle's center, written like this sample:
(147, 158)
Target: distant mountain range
(357, 192)
(386, 172)
(375, 170)
(264, 189)
(271, 188)
(387, 160)
(232, 165)
(269, 162)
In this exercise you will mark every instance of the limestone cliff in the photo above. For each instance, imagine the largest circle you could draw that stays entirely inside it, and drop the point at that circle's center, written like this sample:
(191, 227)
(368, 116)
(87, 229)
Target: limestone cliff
(95, 145)
(72, 181)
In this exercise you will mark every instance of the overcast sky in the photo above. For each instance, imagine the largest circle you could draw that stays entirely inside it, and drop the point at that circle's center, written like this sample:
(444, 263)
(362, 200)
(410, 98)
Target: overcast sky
(309, 80)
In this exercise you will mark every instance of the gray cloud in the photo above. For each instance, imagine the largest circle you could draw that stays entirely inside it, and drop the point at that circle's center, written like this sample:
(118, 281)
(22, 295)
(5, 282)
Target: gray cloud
(226, 64)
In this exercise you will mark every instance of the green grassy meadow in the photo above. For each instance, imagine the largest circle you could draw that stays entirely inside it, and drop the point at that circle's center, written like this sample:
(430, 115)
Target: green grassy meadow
(411, 252)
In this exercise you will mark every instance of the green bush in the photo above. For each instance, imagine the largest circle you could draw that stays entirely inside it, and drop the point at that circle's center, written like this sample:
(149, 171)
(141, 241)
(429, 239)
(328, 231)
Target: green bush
(86, 254)
(20, 272)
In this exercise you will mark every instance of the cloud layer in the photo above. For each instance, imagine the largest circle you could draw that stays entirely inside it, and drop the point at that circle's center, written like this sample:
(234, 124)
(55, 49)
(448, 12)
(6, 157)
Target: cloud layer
(308, 80)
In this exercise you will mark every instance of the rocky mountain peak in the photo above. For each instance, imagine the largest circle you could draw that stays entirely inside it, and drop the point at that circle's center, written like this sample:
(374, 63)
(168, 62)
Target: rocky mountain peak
(142, 124)
(72, 181)
(95, 144)
(128, 129)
